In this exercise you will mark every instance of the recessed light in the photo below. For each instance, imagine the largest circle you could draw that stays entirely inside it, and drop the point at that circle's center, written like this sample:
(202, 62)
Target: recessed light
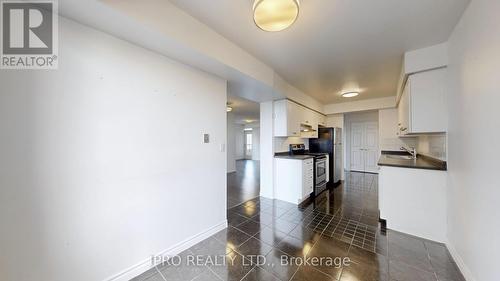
(275, 15)
(350, 94)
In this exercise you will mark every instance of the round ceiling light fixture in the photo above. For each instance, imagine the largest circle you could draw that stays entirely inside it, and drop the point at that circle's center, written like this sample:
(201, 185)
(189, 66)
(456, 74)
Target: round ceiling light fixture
(275, 15)
(350, 94)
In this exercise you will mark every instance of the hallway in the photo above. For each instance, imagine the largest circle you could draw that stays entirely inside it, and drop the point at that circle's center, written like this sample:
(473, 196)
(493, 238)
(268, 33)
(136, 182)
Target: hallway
(339, 224)
(243, 184)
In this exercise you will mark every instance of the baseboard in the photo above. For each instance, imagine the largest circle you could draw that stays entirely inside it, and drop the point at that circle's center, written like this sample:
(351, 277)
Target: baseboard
(176, 249)
(460, 262)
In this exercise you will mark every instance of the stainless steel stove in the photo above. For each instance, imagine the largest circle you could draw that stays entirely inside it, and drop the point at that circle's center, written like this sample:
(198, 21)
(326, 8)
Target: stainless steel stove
(320, 166)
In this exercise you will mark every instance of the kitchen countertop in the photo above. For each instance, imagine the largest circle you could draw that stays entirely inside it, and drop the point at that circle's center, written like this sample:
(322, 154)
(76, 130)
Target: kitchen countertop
(422, 162)
(293, 157)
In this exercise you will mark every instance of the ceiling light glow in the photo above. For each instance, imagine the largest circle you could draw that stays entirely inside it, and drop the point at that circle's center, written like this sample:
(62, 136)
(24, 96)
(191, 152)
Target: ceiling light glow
(350, 94)
(275, 15)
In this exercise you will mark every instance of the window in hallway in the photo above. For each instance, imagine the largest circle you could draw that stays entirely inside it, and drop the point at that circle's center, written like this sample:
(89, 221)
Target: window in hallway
(248, 144)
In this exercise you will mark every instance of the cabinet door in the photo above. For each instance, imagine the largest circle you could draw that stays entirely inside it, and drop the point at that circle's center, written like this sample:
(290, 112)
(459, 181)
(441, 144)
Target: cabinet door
(295, 116)
(308, 180)
(404, 110)
(280, 118)
(321, 120)
(428, 102)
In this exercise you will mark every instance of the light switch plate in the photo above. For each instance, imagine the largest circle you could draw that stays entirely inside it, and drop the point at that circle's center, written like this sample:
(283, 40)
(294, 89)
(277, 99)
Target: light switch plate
(206, 138)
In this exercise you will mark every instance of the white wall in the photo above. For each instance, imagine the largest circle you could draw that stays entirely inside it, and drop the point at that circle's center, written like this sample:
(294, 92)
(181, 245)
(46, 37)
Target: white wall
(256, 144)
(231, 143)
(235, 142)
(239, 142)
(100, 156)
(368, 116)
(266, 150)
(473, 189)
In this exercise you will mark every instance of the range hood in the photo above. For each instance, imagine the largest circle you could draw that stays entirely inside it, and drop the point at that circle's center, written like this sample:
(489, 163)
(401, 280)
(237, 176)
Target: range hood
(305, 128)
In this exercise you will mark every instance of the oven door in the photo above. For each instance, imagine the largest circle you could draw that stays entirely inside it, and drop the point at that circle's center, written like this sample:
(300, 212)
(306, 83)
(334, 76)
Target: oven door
(320, 167)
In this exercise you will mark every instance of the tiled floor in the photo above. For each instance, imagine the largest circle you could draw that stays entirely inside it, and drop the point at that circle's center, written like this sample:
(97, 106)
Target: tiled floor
(243, 184)
(340, 224)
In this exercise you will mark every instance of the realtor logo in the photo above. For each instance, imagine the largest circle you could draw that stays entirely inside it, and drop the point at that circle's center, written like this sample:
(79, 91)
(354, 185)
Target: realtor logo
(29, 34)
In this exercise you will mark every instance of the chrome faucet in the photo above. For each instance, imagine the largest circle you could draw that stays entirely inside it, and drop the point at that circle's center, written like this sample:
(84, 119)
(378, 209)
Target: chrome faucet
(411, 150)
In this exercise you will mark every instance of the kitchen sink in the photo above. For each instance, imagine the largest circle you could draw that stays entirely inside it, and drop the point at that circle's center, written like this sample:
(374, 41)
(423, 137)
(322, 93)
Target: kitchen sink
(401, 157)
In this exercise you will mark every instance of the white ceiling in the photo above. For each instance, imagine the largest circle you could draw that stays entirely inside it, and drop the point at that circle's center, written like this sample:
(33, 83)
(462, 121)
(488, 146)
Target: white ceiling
(336, 45)
(245, 111)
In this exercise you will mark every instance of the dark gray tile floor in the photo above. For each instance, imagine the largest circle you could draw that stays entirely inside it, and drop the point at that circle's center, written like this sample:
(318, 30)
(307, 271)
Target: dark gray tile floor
(243, 184)
(338, 224)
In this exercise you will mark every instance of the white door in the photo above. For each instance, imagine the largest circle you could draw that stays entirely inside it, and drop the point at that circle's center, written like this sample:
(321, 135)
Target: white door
(371, 147)
(357, 147)
(364, 147)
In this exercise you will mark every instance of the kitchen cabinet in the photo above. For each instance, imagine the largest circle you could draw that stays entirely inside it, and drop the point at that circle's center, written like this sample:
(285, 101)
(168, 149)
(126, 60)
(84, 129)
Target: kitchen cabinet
(422, 107)
(411, 201)
(286, 119)
(321, 119)
(294, 179)
(294, 120)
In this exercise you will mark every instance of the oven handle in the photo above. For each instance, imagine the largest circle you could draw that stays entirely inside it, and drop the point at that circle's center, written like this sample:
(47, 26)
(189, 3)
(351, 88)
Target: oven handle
(322, 160)
(322, 183)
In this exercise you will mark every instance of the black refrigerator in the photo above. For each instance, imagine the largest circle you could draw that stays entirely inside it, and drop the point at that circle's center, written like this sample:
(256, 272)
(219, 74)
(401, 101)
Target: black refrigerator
(330, 141)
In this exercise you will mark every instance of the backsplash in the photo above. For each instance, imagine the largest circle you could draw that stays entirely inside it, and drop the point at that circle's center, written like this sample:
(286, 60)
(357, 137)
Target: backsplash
(433, 146)
(282, 144)
(395, 143)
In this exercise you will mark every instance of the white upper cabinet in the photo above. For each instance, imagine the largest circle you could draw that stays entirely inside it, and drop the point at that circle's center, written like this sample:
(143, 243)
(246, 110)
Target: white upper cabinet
(422, 107)
(294, 120)
(321, 119)
(286, 121)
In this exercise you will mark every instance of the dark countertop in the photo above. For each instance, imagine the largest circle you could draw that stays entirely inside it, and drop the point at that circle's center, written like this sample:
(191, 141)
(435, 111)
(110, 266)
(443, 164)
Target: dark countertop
(422, 162)
(293, 157)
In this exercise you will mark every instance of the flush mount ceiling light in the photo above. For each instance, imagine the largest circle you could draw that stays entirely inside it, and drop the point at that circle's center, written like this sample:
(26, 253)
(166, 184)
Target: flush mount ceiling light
(275, 15)
(350, 94)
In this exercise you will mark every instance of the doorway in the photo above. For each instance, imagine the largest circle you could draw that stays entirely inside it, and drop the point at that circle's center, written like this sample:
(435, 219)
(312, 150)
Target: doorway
(243, 150)
(361, 141)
